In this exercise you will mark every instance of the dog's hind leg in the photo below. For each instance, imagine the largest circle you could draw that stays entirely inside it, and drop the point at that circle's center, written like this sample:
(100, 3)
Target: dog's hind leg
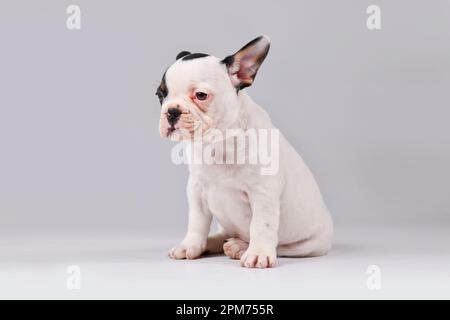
(214, 243)
(314, 246)
(235, 248)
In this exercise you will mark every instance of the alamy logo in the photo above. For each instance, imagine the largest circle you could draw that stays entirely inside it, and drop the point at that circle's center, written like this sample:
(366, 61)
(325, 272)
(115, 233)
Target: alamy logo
(74, 277)
(73, 21)
(374, 19)
(259, 147)
(374, 279)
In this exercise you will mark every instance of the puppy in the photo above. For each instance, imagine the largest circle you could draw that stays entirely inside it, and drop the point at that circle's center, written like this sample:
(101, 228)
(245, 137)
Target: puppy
(260, 215)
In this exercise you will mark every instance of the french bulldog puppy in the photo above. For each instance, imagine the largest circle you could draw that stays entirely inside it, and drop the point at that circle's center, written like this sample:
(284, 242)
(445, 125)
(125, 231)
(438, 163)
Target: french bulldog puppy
(260, 216)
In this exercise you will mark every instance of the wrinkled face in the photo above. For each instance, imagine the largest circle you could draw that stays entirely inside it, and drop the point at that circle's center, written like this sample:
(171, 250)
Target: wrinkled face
(196, 94)
(200, 92)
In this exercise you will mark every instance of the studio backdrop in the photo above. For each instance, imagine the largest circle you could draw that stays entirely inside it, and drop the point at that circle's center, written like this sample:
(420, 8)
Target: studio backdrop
(366, 106)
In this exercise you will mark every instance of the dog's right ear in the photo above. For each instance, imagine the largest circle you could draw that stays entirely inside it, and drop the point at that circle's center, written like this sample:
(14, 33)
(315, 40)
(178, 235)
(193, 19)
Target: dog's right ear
(244, 64)
(182, 54)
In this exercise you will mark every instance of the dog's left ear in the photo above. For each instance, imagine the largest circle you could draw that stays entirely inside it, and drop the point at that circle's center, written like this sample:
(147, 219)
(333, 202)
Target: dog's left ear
(244, 64)
(182, 54)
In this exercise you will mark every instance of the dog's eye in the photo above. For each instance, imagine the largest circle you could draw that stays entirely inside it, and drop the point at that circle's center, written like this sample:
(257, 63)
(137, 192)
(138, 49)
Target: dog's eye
(201, 95)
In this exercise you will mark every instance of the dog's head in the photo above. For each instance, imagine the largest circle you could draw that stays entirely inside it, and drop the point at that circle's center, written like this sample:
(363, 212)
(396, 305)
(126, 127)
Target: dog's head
(199, 92)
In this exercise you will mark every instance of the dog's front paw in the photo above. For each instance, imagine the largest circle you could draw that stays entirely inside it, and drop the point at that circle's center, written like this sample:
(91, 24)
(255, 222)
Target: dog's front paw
(259, 258)
(187, 250)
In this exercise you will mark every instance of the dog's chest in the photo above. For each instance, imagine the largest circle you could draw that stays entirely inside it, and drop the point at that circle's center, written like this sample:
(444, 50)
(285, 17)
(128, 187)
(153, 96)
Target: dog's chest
(225, 194)
(231, 207)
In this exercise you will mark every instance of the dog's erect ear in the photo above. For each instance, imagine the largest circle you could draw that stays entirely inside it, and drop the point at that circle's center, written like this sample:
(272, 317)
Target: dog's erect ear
(182, 54)
(244, 64)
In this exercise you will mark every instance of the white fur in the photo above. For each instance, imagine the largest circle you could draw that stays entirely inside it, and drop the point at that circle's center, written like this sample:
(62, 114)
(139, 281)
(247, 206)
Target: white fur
(264, 216)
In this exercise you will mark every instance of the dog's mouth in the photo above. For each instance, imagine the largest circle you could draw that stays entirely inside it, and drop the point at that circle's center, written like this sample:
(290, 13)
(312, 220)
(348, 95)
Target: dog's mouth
(170, 130)
(186, 128)
(178, 134)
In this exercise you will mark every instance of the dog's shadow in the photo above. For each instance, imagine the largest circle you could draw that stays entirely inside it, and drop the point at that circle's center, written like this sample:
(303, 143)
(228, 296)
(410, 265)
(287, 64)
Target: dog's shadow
(339, 251)
(140, 254)
(344, 249)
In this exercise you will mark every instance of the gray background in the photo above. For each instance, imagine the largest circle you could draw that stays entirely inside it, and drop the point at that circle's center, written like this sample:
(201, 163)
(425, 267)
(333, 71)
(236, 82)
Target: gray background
(80, 149)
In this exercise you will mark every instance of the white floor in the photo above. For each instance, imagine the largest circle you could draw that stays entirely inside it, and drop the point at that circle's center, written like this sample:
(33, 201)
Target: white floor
(413, 263)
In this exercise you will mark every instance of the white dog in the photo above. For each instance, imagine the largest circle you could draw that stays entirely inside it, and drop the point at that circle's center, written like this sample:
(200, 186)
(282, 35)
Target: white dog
(261, 216)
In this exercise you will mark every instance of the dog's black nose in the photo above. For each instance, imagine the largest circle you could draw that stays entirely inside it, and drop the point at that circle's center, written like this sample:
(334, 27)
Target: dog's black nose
(173, 114)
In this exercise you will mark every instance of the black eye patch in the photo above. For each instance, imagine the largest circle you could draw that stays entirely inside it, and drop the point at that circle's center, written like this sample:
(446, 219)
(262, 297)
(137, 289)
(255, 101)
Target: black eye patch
(162, 90)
